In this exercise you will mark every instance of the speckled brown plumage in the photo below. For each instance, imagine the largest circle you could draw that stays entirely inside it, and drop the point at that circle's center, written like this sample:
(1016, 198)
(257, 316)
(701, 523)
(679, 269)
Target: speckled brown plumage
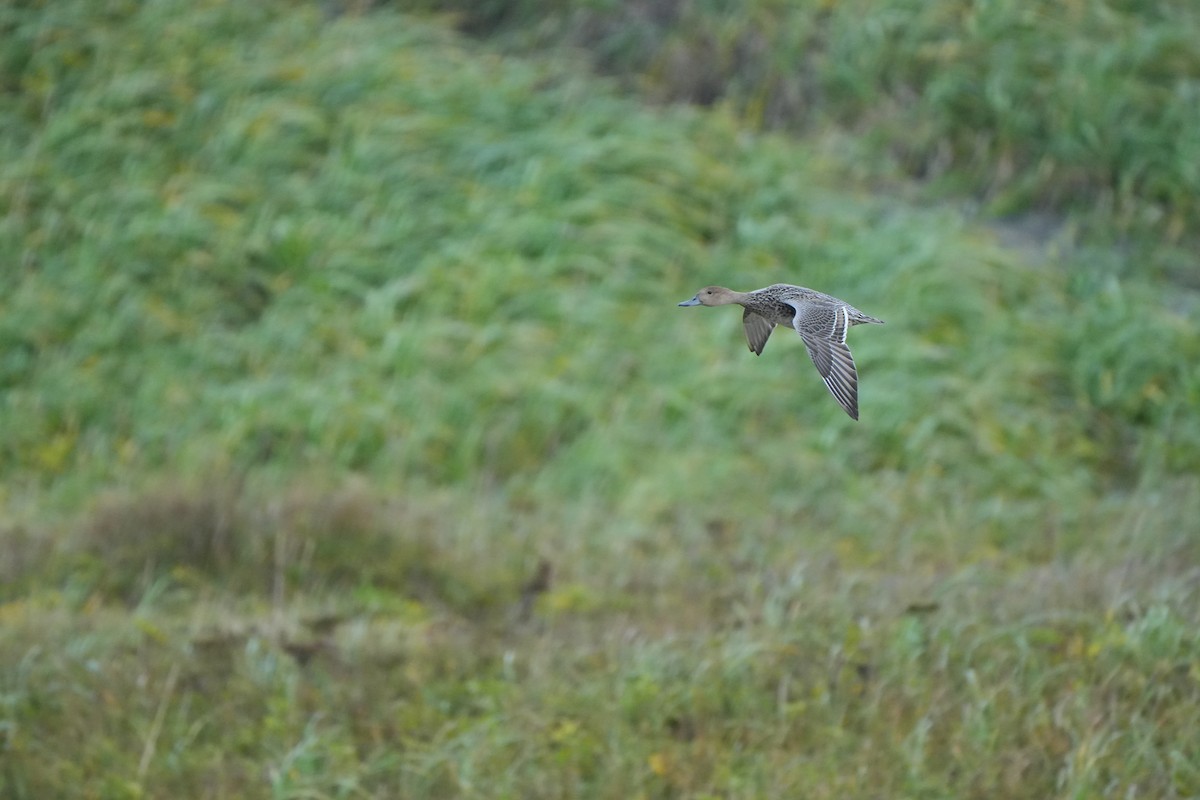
(821, 320)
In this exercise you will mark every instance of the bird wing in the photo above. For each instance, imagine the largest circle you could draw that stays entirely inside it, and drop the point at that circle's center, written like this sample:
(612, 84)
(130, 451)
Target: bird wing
(758, 330)
(823, 328)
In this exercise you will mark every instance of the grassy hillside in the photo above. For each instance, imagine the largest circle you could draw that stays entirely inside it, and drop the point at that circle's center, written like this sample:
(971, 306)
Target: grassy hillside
(1088, 107)
(353, 446)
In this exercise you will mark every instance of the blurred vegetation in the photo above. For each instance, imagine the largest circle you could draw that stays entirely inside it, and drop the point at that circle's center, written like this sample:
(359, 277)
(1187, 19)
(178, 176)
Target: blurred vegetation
(1088, 106)
(352, 445)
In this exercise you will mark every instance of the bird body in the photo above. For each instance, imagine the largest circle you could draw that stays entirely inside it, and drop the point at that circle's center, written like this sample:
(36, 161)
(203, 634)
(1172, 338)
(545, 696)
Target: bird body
(821, 320)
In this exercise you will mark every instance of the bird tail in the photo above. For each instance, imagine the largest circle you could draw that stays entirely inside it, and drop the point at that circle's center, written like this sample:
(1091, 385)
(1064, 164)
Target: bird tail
(859, 318)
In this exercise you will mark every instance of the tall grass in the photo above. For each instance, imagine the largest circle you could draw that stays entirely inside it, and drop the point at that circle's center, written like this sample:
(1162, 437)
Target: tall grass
(320, 337)
(1087, 106)
(442, 265)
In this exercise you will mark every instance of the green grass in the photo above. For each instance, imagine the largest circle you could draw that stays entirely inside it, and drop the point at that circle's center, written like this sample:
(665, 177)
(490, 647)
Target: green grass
(318, 336)
(1086, 107)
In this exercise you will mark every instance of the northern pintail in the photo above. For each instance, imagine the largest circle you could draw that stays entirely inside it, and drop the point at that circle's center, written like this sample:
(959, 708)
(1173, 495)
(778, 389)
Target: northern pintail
(822, 322)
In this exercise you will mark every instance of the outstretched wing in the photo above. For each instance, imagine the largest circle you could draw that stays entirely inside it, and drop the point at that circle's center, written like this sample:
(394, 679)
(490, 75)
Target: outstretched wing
(758, 330)
(823, 328)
